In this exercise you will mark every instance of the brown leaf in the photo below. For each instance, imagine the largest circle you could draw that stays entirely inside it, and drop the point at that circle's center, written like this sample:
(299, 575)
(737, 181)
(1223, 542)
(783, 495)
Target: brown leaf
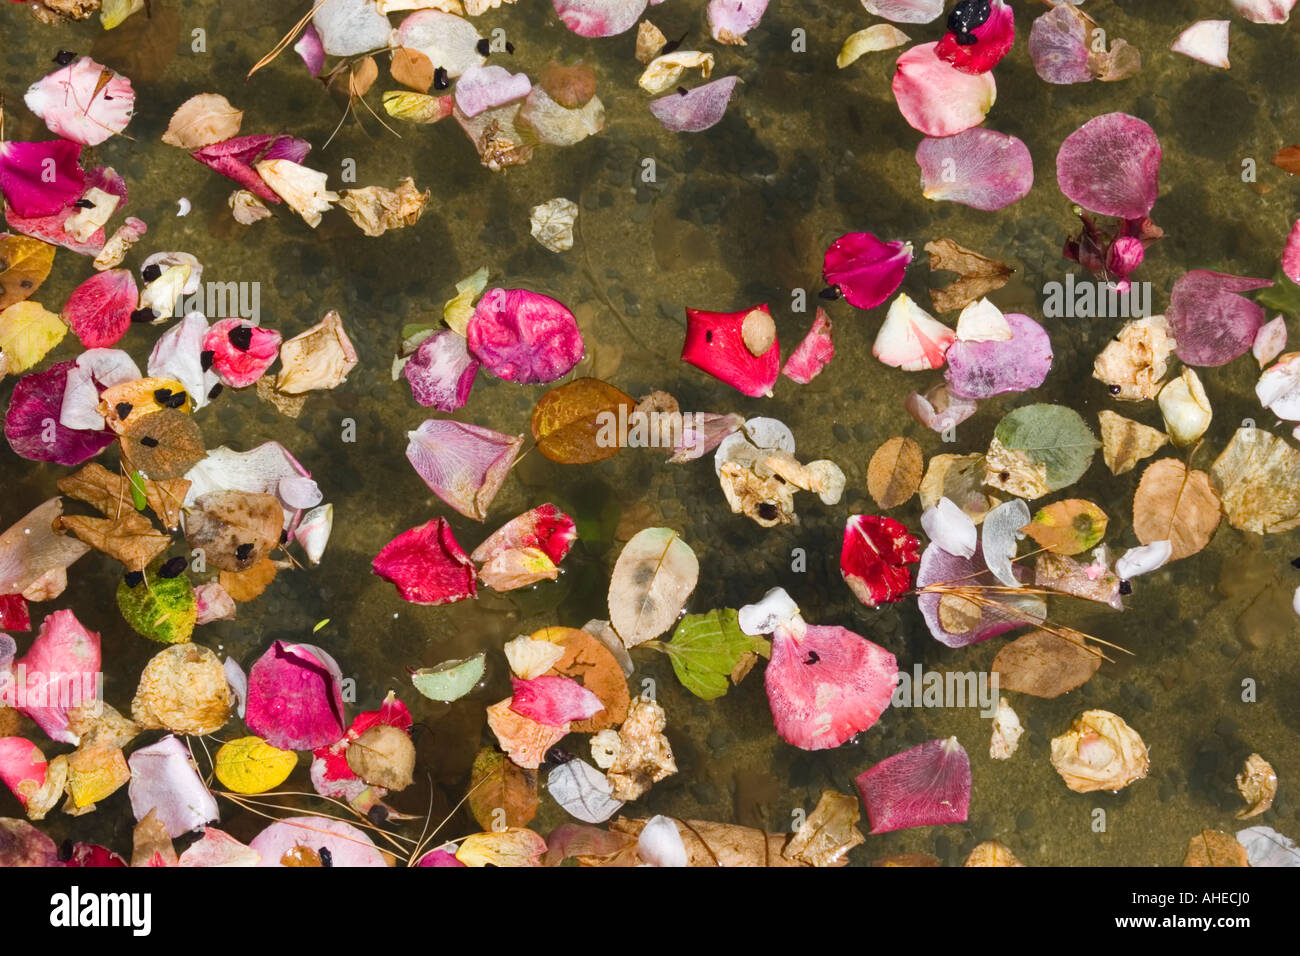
(234, 529)
(1214, 848)
(319, 358)
(592, 665)
(129, 536)
(1125, 442)
(522, 738)
(108, 493)
(1257, 784)
(244, 586)
(577, 423)
(1045, 664)
(412, 69)
(1175, 505)
(362, 77)
(24, 264)
(570, 86)
(1288, 158)
(201, 121)
(163, 445)
(1258, 478)
(894, 473)
(979, 274)
(959, 478)
(501, 793)
(141, 47)
(829, 832)
(991, 853)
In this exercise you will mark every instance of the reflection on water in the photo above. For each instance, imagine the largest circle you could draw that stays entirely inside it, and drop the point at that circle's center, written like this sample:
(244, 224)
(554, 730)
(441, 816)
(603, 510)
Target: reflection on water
(735, 216)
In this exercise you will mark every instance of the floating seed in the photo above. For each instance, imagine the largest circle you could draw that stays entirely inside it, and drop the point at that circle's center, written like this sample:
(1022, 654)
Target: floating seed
(143, 315)
(326, 857)
(440, 80)
(244, 552)
(172, 567)
(133, 578)
(215, 391)
(206, 357)
(149, 441)
(64, 57)
(123, 409)
(151, 272)
(241, 337)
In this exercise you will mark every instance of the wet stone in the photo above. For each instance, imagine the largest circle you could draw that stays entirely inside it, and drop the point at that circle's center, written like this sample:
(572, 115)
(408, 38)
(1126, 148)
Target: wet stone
(1025, 820)
(841, 432)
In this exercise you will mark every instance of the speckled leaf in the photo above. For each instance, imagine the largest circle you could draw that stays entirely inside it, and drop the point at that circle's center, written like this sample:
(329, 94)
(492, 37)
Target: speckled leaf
(652, 579)
(1068, 527)
(24, 264)
(894, 472)
(161, 609)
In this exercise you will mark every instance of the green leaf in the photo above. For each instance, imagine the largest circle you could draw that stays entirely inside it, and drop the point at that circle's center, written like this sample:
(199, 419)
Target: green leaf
(706, 648)
(1053, 436)
(138, 497)
(1282, 296)
(450, 680)
(161, 609)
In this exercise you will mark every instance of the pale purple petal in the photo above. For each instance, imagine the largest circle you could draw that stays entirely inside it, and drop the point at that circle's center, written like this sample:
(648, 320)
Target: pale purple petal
(32, 424)
(730, 20)
(30, 549)
(703, 433)
(483, 88)
(77, 105)
(950, 528)
(523, 336)
(979, 168)
(697, 109)
(295, 699)
(238, 682)
(905, 11)
(1212, 324)
(347, 845)
(1058, 45)
(928, 785)
(298, 492)
(939, 408)
(310, 48)
(164, 779)
(464, 465)
(109, 367)
(939, 567)
(599, 18)
(935, 97)
(984, 369)
(1270, 341)
(441, 372)
(28, 189)
(80, 408)
(1111, 165)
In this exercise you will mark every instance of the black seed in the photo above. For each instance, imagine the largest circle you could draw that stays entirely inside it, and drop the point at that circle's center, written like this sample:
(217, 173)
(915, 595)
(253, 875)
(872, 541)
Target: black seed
(176, 400)
(326, 857)
(708, 336)
(133, 578)
(123, 409)
(558, 755)
(1004, 476)
(215, 391)
(483, 47)
(244, 552)
(1295, 562)
(149, 441)
(172, 567)
(65, 851)
(767, 511)
(813, 658)
(84, 204)
(151, 272)
(143, 315)
(205, 358)
(830, 293)
(241, 337)
(162, 395)
(965, 17)
(682, 91)
(284, 535)
(377, 814)
(510, 48)
(1114, 389)
(64, 57)
(440, 81)
(1125, 587)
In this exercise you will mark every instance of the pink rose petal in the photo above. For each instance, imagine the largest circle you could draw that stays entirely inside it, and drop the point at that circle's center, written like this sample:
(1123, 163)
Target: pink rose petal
(714, 342)
(826, 684)
(427, 565)
(441, 372)
(911, 338)
(695, 110)
(214, 603)
(926, 786)
(99, 310)
(866, 270)
(1291, 254)
(218, 848)
(978, 168)
(980, 49)
(59, 672)
(14, 616)
(939, 409)
(523, 336)
(77, 104)
(22, 766)
(1058, 45)
(32, 425)
(347, 845)
(50, 229)
(705, 433)
(1270, 342)
(295, 700)
(1264, 11)
(164, 779)
(331, 774)
(553, 701)
(599, 18)
(464, 465)
(94, 855)
(482, 88)
(874, 559)
(813, 353)
(26, 181)
(1111, 165)
(937, 98)
(984, 369)
(1211, 323)
(730, 20)
(545, 527)
(241, 357)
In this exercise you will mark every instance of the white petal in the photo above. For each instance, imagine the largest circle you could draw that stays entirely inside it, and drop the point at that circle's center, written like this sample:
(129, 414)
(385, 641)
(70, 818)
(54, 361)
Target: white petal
(983, 321)
(1205, 40)
(765, 616)
(1143, 560)
(1001, 532)
(950, 528)
(660, 844)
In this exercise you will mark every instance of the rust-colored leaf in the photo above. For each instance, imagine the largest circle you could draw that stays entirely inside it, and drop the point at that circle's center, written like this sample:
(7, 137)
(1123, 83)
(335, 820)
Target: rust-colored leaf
(1045, 664)
(163, 446)
(1068, 527)
(594, 666)
(894, 473)
(501, 793)
(412, 69)
(1288, 158)
(580, 422)
(109, 493)
(980, 275)
(362, 77)
(24, 264)
(1175, 505)
(248, 585)
(1214, 848)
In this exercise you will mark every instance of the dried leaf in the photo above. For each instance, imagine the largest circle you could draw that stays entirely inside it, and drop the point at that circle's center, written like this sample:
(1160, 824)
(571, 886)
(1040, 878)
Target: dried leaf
(1174, 505)
(1125, 442)
(894, 473)
(1258, 478)
(708, 843)
(960, 479)
(513, 846)
(27, 333)
(991, 853)
(108, 493)
(163, 445)
(24, 264)
(1068, 527)
(828, 833)
(501, 793)
(251, 765)
(654, 575)
(1045, 664)
(579, 423)
(248, 585)
(1038, 449)
(201, 121)
(234, 529)
(979, 274)
(1214, 848)
(375, 209)
(126, 535)
(412, 69)
(1257, 784)
(183, 689)
(524, 740)
(1288, 158)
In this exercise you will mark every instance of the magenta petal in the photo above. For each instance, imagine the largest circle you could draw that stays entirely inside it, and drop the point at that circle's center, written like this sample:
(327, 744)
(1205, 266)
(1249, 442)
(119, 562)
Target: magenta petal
(236, 365)
(939, 567)
(1212, 324)
(813, 353)
(937, 98)
(439, 858)
(22, 766)
(553, 701)
(295, 699)
(979, 168)
(695, 110)
(90, 855)
(1291, 254)
(1058, 45)
(1111, 165)
(984, 369)
(1123, 257)
(482, 88)
(310, 48)
(14, 616)
(59, 672)
(826, 685)
(926, 786)
(523, 336)
(730, 20)
(545, 527)
(441, 372)
(866, 269)
(99, 310)
(874, 559)
(715, 343)
(464, 465)
(32, 422)
(427, 565)
(28, 188)
(599, 18)
(993, 40)
(234, 158)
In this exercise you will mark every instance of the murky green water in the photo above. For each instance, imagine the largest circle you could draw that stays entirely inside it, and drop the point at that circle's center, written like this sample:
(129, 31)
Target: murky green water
(738, 215)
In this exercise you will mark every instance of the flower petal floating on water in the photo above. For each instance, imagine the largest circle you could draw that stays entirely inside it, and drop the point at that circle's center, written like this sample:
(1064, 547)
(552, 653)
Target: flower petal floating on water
(99, 310)
(165, 781)
(1144, 559)
(826, 684)
(928, 785)
(1206, 41)
(1264, 11)
(319, 358)
(695, 110)
(905, 11)
(427, 565)
(1099, 752)
(1111, 165)
(234, 158)
(14, 616)
(1185, 407)
(545, 528)
(599, 18)
(32, 423)
(813, 354)
(218, 848)
(730, 20)
(486, 87)
(978, 48)
(23, 770)
(242, 351)
(1270, 341)
(25, 178)
(1212, 323)
(882, 36)
(950, 528)
(979, 168)
(866, 270)
(875, 557)
(464, 465)
(1278, 388)
(940, 409)
(554, 701)
(715, 342)
(935, 97)
(523, 739)
(984, 369)
(583, 791)
(30, 549)
(942, 575)
(441, 372)
(910, 338)
(523, 336)
(1266, 847)
(83, 101)
(1134, 364)
(284, 839)
(295, 699)
(447, 40)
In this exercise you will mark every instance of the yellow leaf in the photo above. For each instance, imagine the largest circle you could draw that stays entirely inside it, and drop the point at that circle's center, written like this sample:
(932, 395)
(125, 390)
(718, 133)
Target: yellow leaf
(251, 765)
(1068, 527)
(513, 846)
(416, 107)
(27, 333)
(24, 264)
